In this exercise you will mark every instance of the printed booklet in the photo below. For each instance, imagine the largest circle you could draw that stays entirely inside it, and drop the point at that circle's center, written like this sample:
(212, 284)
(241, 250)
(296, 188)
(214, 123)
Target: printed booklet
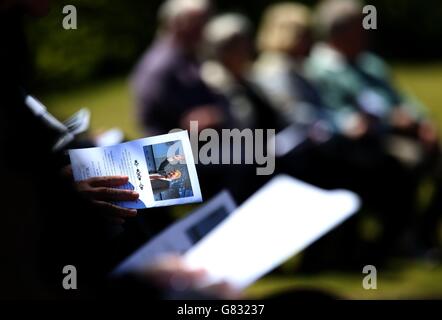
(161, 169)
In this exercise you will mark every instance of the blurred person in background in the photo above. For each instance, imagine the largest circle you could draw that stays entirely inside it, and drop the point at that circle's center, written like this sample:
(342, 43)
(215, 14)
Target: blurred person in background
(284, 41)
(170, 92)
(357, 86)
(230, 48)
(330, 157)
(166, 83)
(356, 83)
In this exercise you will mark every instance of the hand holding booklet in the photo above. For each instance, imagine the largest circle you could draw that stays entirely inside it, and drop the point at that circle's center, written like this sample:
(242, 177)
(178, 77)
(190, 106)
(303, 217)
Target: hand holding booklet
(161, 169)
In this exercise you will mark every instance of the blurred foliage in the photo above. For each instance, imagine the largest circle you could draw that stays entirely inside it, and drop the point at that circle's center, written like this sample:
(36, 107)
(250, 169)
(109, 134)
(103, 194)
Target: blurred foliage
(112, 34)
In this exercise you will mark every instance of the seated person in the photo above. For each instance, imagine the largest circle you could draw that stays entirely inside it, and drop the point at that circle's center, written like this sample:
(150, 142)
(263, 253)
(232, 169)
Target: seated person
(335, 154)
(356, 84)
(166, 83)
(284, 41)
(229, 46)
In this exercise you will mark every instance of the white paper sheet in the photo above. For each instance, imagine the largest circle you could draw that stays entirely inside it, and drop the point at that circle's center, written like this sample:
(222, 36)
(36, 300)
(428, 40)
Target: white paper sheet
(181, 236)
(279, 221)
(151, 165)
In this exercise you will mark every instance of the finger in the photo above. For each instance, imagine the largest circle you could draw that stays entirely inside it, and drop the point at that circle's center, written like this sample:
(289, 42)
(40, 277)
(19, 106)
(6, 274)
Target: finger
(112, 181)
(116, 211)
(179, 280)
(172, 271)
(67, 171)
(193, 276)
(111, 194)
(172, 263)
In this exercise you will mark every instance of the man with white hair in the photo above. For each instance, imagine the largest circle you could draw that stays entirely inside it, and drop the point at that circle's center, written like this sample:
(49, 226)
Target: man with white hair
(185, 20)
(168, 90)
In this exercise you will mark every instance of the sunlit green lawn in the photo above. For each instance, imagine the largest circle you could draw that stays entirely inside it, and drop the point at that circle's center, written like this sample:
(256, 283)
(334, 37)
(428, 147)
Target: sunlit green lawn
(111, 106)
(411, 281)
(425, 83)
(111, 102)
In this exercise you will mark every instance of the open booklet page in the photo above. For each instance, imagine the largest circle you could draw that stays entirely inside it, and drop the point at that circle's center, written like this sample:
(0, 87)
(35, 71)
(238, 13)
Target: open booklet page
(161, 169)
(279, 221)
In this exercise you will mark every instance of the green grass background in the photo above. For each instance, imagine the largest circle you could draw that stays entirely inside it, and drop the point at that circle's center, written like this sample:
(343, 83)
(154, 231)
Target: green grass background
(112, 106)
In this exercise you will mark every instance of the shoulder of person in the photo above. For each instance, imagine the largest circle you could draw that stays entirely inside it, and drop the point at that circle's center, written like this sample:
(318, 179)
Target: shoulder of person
(157, 60)
(217, 77)
(324, 61)
(272, 65)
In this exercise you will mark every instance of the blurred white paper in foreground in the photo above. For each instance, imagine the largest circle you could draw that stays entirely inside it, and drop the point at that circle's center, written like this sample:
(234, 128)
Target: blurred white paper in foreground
(181, 236)
(277, 222)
